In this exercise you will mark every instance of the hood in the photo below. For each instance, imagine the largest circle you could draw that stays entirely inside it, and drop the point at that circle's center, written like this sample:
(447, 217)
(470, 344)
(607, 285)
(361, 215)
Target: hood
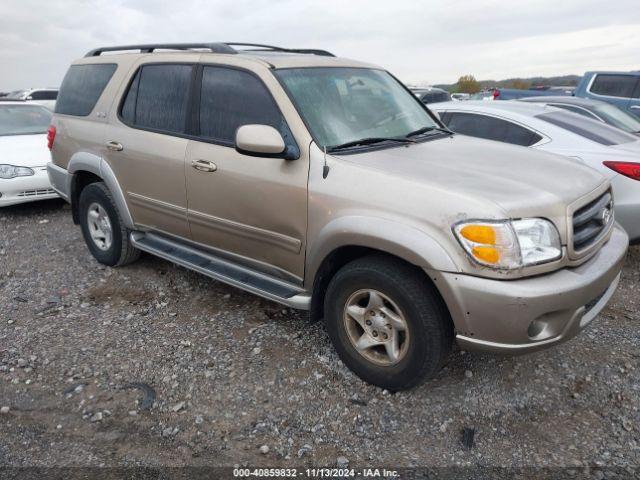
(517, 179)
(24, 150)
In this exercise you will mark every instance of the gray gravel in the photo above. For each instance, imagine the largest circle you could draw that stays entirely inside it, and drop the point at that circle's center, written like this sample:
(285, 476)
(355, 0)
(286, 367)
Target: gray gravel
(241, 381)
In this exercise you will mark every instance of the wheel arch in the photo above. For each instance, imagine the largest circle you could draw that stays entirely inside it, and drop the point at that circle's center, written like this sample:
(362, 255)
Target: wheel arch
(86, 168)
(351, 238)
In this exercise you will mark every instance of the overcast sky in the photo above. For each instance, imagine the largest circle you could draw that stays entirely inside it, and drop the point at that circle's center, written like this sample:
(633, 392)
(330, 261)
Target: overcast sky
(422, 42)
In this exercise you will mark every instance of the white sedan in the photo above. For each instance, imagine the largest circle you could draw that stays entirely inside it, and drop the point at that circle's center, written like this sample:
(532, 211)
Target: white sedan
(23, 153)
(614, 153)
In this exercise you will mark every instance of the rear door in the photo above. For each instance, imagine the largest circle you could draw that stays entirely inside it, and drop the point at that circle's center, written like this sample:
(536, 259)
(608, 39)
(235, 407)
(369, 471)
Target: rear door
(252, 208)
(147, 143)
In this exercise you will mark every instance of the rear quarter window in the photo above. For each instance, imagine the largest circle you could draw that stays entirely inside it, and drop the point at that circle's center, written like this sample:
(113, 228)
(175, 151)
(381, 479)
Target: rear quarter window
(590, 129)
(82, 87)
(490, 128)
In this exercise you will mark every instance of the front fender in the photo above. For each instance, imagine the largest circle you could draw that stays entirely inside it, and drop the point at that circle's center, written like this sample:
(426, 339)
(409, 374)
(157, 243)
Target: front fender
(406, 242)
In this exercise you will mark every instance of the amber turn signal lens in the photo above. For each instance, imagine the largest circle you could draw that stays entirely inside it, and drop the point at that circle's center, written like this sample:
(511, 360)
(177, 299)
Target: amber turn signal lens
(486, 254)
(484, 234)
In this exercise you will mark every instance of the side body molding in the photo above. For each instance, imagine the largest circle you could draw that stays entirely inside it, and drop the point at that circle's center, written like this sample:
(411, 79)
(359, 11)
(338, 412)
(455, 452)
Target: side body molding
(404, 241)
(88, 162)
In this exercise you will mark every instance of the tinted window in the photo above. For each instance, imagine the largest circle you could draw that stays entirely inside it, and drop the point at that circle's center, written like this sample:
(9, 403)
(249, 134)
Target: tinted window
(81, 88)
(158, 98)
(44, 95)
(435, 97)
(490, 128)
(614, 85)
(231, 98)
(593, 130)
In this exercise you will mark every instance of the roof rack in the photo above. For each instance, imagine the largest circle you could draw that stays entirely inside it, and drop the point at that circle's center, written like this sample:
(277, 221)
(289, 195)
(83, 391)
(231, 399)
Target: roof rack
(257, 47)
(218, 47)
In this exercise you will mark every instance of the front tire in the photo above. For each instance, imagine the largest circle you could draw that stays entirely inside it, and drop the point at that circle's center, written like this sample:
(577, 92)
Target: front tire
(387, 322)
(102, 227)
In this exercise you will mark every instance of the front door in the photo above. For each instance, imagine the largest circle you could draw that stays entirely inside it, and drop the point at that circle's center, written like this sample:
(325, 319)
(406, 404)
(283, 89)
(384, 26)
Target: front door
(146, 148)
(254, 209)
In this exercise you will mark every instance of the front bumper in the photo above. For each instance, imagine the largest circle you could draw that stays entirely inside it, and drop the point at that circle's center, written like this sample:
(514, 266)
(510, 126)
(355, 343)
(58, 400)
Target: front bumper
(26, 189)
(519, 316)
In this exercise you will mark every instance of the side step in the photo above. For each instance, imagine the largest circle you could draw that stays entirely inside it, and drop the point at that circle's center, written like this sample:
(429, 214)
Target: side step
(222, 270)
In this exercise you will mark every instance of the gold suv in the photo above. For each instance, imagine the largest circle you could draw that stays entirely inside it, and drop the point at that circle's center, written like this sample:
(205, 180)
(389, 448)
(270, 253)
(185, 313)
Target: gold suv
(324, 184)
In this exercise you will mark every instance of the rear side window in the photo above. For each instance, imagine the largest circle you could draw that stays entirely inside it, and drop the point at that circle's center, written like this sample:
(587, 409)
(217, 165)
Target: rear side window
(590, 129)
(82, 87)
(230, 98)
(490, 128)
(44, 95)
(614, 85)
(158, 98)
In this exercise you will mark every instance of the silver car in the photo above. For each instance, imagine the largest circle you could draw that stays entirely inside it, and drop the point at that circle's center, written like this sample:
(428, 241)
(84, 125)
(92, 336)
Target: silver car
(612, 152)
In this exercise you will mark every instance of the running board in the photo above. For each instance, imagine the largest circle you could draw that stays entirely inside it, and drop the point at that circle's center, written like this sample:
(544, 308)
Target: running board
(222, 270)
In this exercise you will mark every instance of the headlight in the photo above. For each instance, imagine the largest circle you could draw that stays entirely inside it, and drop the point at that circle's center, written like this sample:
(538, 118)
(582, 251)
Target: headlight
(510, 244)
(10, 171)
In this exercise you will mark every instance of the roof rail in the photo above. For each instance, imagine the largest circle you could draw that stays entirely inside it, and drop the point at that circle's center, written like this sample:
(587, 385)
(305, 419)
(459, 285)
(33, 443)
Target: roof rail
(218, 47)
(257, 47)
(150, 47)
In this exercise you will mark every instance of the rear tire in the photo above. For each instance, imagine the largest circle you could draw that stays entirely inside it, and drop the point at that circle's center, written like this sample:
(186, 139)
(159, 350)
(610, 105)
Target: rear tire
(387, 322)
(102, 228)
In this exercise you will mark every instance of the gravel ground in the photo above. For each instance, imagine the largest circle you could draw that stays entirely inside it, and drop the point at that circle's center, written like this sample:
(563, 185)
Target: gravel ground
(243, 381)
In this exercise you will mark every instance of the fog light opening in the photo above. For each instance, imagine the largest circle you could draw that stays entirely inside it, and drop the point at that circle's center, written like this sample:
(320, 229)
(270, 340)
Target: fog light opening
(536, 329)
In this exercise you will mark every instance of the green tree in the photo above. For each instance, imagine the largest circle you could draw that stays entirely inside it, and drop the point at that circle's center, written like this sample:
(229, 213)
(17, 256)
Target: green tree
(467, 84)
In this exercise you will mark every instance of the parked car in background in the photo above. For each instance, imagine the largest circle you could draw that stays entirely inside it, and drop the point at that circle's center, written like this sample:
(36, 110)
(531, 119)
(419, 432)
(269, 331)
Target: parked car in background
(516, 93)
(609, 150)
(42, 96)
(621, 89)
(322, 183)
(23, 153)
(487, 95)
(593, 109)
(459, 96)
(429, 95)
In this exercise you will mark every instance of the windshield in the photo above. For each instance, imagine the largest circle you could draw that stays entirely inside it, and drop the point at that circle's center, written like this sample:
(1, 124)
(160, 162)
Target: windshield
(590, 129)
(23, 119)
(342, 105)
(618, 118)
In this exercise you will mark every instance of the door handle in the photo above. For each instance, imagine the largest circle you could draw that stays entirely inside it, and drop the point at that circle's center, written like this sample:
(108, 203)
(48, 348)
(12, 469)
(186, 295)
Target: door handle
(635, 107)
(115, 146)
(204, 165)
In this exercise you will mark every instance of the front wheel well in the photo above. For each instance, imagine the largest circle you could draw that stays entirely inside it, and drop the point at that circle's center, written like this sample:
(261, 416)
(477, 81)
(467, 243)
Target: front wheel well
(81, 179)
(339, 258)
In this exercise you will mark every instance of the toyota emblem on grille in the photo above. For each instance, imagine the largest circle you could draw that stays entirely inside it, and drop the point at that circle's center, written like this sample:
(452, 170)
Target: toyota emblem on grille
(605, 216)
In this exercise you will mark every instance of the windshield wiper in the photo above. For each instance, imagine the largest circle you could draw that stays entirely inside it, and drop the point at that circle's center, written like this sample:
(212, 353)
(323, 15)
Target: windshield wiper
(368, 141)
(422, 130)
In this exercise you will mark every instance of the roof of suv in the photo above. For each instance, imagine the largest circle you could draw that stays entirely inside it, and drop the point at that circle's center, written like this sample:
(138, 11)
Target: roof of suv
(273, 57)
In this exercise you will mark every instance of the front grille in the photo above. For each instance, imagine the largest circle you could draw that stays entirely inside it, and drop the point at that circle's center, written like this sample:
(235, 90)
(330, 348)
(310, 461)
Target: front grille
(36, 193)
(592, 221)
